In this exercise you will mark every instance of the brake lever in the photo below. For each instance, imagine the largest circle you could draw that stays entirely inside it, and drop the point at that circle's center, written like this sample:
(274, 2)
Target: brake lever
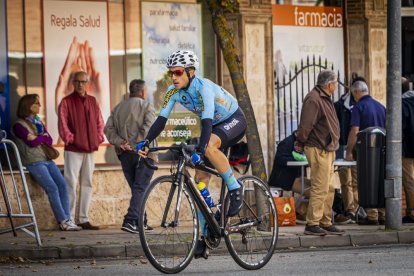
(186, 150)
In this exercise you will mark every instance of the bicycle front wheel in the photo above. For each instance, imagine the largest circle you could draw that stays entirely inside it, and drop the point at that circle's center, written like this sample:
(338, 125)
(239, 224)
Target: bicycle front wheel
(252, 234)
(170, 245)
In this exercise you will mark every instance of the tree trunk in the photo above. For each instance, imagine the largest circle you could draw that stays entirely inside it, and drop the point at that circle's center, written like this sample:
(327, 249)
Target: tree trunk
(226, 40)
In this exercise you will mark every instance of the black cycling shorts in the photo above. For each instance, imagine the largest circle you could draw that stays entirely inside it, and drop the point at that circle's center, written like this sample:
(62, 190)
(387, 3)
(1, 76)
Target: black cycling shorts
(231, 130)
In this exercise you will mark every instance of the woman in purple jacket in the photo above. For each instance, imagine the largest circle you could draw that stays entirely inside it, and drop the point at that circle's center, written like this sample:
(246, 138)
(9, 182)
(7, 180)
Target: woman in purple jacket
(30, 134)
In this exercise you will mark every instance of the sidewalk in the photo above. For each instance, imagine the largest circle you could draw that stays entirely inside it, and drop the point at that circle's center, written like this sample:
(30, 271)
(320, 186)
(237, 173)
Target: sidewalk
(113, 242)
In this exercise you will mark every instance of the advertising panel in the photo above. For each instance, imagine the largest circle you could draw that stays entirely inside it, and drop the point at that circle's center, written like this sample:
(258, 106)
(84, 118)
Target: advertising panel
(299, 34)
(75, 39)
(168, 27)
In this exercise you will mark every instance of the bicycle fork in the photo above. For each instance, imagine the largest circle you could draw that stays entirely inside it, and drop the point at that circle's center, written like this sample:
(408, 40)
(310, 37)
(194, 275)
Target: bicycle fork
(177, 184)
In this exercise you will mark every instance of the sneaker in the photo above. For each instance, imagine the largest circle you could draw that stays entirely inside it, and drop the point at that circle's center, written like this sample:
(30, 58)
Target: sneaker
(367, 221)
(148, 228)
(75, 225)
(314, 230)
(236, 201)
(130, 226)
(362, 214)
(332, 230)
(407, 219)
(201, 250)
(341, 219)
(69, 225)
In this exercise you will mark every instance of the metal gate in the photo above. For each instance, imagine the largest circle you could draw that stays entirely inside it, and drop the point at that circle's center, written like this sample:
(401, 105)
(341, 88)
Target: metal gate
(16, 205)
(290, 92)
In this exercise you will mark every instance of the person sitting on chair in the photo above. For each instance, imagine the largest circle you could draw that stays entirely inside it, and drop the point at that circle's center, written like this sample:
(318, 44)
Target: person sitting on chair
(289, 178)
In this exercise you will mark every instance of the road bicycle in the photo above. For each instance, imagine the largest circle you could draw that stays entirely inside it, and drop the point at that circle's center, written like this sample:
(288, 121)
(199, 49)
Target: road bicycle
(171, 203)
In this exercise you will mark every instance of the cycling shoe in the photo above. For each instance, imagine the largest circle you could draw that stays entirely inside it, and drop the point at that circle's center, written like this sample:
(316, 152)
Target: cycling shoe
(201, 250)
(236, 201)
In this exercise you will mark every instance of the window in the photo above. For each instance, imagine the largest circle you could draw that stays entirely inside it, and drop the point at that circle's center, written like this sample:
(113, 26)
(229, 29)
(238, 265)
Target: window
(25, 53)
(407, 3)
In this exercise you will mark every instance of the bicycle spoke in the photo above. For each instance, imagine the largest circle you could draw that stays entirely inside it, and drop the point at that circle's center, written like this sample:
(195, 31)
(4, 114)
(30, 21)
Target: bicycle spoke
(169, 245)
(252, 237)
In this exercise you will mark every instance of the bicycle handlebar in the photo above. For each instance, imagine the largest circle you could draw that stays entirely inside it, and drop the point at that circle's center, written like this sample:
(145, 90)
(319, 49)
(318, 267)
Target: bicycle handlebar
(183, 149)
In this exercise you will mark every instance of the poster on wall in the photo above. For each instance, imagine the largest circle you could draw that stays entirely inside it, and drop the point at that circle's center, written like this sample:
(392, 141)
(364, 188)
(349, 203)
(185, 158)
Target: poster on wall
(301, 33)
(75, 39)
(169, 27)
(4, 84)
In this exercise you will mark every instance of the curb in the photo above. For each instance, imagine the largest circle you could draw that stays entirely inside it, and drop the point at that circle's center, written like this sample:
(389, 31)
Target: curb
(135, 250)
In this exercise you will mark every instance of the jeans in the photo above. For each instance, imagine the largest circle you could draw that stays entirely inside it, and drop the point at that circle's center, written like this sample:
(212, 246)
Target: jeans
(48, 176)
(138, 179)
(349, 187)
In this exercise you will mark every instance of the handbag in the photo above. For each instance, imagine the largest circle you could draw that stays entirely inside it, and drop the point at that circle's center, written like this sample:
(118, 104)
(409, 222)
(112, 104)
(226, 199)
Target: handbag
(50, 152)
(286, 215)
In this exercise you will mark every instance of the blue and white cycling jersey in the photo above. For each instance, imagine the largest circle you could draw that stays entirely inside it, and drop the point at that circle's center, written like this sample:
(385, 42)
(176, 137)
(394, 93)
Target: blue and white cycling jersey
(204, 98)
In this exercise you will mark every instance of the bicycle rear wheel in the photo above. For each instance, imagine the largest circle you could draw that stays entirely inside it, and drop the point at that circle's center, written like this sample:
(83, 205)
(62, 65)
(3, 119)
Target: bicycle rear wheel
(252, 234)
(170, 245)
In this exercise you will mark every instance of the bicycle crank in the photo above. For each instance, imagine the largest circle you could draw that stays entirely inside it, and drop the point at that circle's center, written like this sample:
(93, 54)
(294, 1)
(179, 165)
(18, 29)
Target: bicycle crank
(211, 241)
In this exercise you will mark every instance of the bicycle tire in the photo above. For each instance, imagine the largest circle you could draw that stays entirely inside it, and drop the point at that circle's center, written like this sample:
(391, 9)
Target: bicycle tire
(253, 247)
(169, 248)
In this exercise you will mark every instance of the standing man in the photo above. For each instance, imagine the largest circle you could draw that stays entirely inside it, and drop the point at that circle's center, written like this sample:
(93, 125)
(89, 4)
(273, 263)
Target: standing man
(128, 124)
(408, 149)
(366, 113)
(347, 176)
(81, 128)
(318, 135)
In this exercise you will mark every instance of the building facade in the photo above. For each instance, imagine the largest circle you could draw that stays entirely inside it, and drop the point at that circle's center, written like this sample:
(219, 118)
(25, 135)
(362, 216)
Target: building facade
(365, 36)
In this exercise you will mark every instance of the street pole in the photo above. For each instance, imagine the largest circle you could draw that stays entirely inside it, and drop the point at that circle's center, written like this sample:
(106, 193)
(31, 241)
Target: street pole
(393, 174)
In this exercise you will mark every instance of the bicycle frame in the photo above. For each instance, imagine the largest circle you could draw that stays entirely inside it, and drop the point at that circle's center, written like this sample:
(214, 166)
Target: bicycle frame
(182, 177)
(216, 228)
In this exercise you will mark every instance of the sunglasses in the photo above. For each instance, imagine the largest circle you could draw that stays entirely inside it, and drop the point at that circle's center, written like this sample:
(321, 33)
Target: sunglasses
(80, 82)
(177, 73)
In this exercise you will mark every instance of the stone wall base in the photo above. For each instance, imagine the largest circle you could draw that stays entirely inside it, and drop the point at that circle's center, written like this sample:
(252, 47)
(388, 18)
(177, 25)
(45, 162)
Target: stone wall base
(110, 200)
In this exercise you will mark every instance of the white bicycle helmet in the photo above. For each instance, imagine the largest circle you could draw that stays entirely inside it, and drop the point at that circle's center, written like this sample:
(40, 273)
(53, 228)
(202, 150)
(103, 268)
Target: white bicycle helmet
(182, 58)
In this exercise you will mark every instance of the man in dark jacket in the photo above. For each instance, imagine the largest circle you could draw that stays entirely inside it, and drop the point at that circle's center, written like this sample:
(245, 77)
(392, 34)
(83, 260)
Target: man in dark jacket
(348, 179)
(408, 148)
(289, 178)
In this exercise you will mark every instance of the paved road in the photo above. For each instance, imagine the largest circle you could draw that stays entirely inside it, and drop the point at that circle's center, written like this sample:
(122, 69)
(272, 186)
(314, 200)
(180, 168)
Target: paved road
(378, 260)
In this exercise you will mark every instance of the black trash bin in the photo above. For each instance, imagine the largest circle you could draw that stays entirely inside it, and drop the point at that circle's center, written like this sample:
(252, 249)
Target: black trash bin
(370, 151)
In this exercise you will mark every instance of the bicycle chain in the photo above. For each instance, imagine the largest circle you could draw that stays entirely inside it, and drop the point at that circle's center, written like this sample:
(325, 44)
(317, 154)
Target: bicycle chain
(211, 241)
